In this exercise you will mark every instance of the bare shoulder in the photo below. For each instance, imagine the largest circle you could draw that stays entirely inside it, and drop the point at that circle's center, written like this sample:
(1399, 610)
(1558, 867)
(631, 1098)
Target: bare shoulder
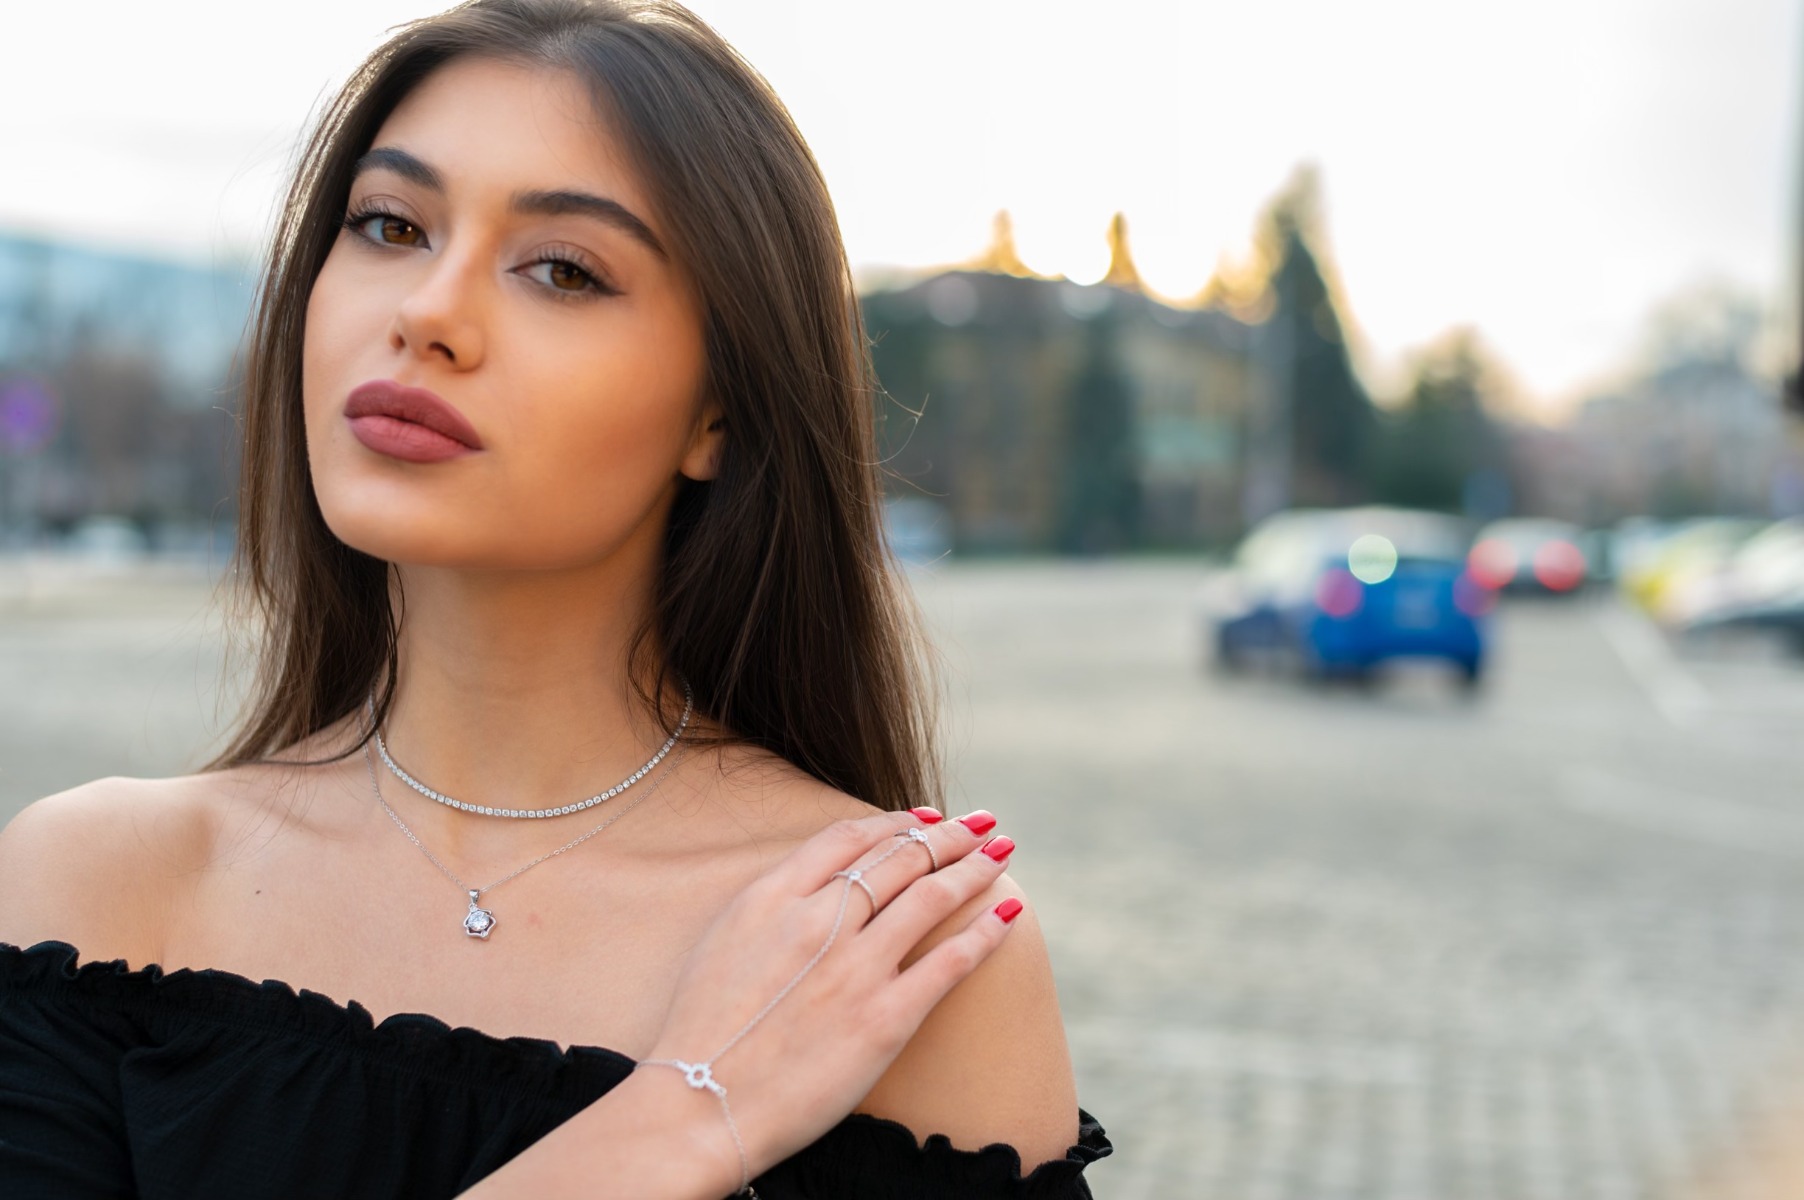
(774, 803)
(990, 1063)
(97, 866)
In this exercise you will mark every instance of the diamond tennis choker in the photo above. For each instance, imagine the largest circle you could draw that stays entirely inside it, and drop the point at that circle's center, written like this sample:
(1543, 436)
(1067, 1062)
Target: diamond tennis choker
(560, 810)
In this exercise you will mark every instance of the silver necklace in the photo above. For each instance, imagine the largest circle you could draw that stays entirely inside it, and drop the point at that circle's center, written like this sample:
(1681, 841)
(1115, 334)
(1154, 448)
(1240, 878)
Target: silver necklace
(559, 811)
(479, 922)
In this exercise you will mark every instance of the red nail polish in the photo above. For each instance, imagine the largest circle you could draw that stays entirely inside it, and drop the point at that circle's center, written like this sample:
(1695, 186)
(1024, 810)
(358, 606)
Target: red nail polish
(928, 816)
(999, 847)
(1009, 909)
(979, 822)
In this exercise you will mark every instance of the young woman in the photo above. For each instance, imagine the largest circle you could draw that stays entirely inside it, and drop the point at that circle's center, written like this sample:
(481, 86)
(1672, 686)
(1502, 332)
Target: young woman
(559, 503)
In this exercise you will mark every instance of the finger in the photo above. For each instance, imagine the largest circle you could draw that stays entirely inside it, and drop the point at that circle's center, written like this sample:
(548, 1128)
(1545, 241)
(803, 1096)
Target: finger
(810, 865)
(926, 981)
(889, 869)
(925, 903)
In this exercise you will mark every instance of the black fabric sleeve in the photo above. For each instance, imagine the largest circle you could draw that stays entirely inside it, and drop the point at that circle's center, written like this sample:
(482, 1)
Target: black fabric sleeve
(873, 1159)
(62, 1129)
(121, 1083)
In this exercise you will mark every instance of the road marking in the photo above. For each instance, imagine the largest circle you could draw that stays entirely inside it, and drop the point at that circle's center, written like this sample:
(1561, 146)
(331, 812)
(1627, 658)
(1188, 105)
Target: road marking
(1707, 819)
(1681, 699)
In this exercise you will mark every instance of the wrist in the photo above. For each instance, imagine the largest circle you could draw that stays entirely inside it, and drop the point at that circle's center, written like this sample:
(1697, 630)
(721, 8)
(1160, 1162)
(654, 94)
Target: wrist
(646, 1139)
(690, 1100)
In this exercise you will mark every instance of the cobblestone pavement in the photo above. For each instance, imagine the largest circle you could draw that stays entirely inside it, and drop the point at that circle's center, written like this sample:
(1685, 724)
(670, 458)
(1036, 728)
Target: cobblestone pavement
(1311, 944)
(1327, 945)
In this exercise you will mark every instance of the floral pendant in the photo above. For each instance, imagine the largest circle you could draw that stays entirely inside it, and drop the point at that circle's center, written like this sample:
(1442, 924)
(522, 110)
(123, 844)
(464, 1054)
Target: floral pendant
(478, 922)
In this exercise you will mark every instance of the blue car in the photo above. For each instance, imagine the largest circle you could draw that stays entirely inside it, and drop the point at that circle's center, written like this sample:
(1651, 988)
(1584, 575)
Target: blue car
(1338, 592)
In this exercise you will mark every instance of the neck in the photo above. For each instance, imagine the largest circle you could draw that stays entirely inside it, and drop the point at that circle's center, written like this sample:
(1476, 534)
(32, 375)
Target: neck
(513, 691)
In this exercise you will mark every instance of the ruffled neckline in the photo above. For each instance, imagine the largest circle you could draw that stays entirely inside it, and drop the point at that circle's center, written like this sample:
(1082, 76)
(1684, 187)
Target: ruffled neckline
(423, 1043)
(412, 1040)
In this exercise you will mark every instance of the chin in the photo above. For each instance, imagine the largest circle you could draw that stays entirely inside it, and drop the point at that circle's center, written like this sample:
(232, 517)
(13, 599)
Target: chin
(399, 524)
(401, 541)
(419, 530)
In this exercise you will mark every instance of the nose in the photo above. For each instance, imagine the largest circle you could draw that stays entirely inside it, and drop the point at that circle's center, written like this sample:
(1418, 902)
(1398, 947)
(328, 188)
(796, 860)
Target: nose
(444, 315)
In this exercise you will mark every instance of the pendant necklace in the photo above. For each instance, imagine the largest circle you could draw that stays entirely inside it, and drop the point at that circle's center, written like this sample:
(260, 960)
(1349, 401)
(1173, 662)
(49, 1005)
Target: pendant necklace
(480, 922)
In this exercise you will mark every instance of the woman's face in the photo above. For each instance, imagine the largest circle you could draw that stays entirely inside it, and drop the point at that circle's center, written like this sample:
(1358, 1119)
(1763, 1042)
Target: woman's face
(501, 254)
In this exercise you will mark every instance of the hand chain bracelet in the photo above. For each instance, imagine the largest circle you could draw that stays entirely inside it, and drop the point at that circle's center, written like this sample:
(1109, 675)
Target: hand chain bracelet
(700, 1075)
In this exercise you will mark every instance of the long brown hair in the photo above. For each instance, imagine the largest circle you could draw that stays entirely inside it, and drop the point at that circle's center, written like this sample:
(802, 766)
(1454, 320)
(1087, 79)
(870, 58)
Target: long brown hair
(777, 599)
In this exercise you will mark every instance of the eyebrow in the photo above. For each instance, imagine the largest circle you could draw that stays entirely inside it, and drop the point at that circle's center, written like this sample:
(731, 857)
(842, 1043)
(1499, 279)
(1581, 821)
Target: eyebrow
(559, 202)
(563, 202)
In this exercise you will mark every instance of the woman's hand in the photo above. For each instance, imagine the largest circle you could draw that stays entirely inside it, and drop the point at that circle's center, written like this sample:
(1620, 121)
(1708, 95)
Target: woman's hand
(818, 1051)
(813, 1054)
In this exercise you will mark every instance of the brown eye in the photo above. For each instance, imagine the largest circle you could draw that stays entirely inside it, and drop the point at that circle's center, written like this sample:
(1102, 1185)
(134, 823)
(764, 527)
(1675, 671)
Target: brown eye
(397, 232)
(567, 277)
(385, 229)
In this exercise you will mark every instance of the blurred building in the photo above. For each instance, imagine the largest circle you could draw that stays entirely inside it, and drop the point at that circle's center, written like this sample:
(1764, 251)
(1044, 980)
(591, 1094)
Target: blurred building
(115, 387)
(1045, 415)
(1697, 435)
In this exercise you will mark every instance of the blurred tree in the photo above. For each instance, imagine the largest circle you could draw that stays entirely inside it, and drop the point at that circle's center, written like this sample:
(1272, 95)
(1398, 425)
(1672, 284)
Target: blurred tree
(205, 453)
(1440, 448)
(907, 438)
(132, 453)
(1707, 322)
(114, 408)
(1324, 416)
(1099, 503)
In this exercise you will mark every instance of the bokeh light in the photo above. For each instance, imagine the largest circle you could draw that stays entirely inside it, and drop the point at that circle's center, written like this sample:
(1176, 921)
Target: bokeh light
(1339, 594)
(1372, 558)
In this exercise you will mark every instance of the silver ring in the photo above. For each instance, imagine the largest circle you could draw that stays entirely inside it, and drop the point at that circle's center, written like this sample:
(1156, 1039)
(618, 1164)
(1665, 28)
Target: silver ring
(857, 877)
(920, 835)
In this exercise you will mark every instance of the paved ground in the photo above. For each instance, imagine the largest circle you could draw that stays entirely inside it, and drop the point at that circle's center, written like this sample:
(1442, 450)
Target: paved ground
(1330, 944)
(1548, 943)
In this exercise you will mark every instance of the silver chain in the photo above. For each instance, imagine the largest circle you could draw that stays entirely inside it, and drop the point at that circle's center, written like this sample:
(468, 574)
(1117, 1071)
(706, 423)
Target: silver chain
(557, 811)
(466, 888)
(700, 1075)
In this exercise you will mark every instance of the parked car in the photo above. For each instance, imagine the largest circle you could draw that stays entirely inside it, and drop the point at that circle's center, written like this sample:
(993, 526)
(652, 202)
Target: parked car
(1531, 555)
(1338, 592)
(1686, 565)
(1760, 587)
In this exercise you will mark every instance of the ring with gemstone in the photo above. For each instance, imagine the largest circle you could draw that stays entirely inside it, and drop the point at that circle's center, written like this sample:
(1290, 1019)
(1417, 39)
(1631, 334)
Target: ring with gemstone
(857, 877)
(920, 835)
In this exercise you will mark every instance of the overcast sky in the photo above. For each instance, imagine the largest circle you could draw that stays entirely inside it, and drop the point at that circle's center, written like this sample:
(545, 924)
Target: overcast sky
(1545, 170)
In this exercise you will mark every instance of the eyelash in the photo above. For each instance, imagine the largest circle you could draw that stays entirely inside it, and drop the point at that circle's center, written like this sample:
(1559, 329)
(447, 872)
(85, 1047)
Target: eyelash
(356, 219)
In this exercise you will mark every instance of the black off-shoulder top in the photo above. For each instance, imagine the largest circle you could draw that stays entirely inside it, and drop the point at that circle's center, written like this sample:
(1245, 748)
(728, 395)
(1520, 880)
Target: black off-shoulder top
(199, 1083)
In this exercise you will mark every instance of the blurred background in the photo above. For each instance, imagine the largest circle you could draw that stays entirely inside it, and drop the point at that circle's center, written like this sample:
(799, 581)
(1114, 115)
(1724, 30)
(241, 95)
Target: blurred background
(1341, 450)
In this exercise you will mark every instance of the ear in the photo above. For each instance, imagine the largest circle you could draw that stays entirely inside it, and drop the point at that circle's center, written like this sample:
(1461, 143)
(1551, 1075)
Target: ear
(701, 461)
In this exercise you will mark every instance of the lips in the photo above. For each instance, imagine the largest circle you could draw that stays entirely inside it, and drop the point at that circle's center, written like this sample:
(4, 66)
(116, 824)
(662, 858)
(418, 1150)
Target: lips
(408, 423)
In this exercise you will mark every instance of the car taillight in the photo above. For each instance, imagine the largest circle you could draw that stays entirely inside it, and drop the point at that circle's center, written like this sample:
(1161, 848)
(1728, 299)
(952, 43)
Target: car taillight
(1560, 566)
(1472, 597)
(1338, 593)
(1493, 563)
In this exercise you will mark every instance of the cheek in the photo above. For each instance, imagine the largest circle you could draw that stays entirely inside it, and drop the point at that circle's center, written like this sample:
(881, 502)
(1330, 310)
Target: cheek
(603, 426)
(328, 344)
(321, 359)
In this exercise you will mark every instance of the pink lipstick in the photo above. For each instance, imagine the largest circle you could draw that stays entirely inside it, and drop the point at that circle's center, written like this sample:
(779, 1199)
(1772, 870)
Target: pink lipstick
(408, 423)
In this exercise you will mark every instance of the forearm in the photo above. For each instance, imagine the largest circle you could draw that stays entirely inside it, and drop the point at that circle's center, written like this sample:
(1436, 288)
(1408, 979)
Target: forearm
(649, 1138)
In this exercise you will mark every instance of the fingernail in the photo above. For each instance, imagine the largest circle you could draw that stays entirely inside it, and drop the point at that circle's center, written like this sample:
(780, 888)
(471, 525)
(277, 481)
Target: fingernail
(1008, 910)
(929, 816)
(999, 847)
(979, 822)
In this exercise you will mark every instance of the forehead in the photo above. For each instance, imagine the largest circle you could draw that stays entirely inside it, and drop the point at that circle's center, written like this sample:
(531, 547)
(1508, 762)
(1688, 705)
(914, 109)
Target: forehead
(492, 127)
